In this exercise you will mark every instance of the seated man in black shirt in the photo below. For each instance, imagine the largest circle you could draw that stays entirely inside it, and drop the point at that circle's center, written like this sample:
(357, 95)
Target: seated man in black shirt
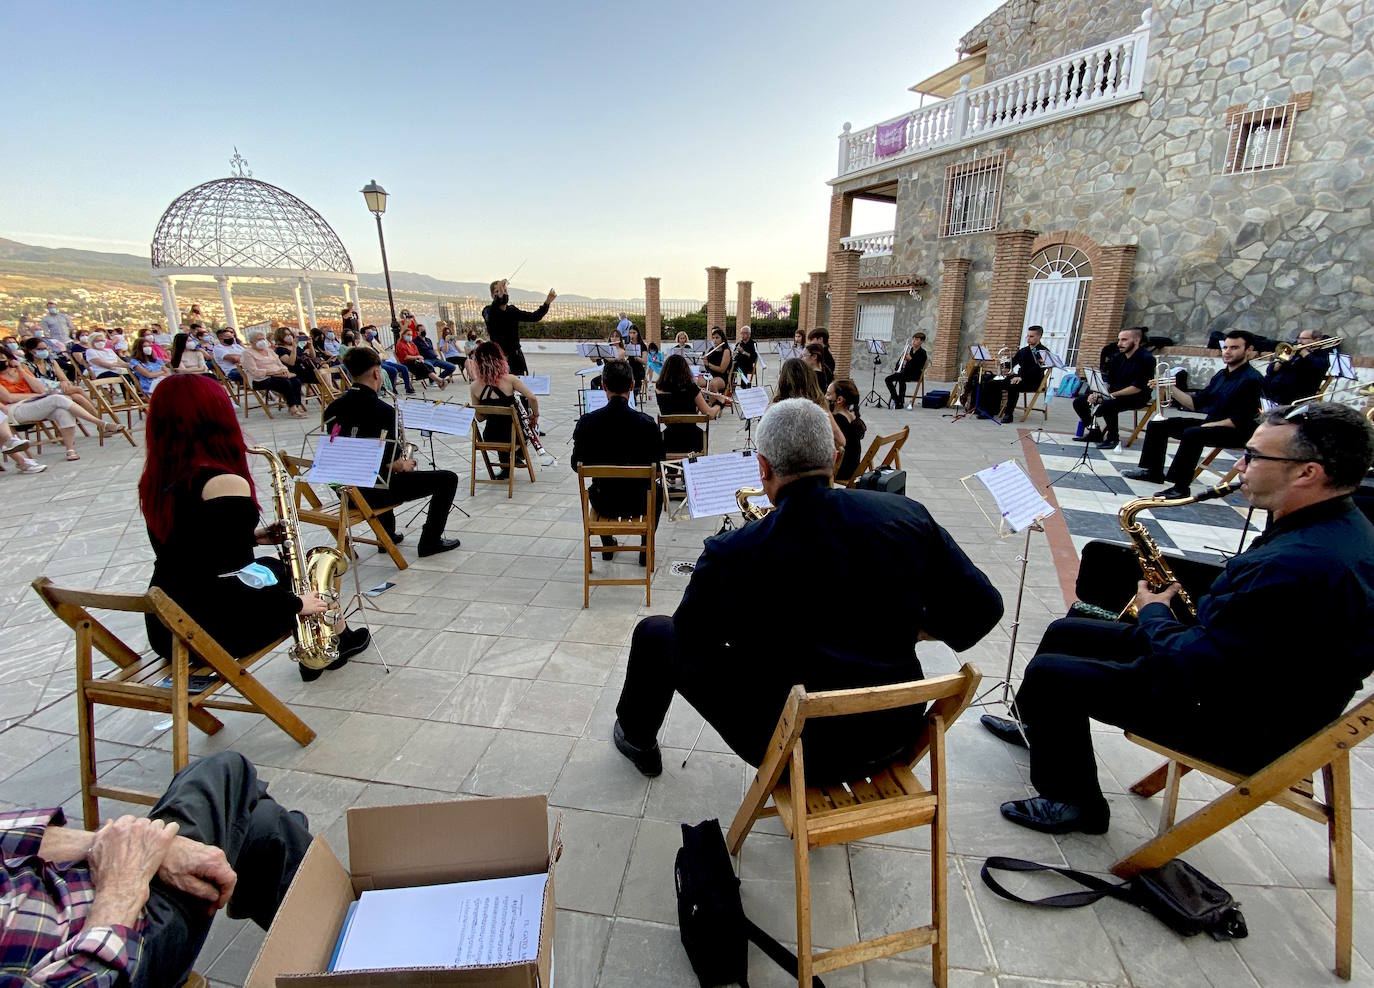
(1127, 371)
(1215, 688)
(737, 670)
(360, 412)
(616, 435)
(746, 355)
(910, 366)
(1231, 402)
(1302, 376)
(1026, 372)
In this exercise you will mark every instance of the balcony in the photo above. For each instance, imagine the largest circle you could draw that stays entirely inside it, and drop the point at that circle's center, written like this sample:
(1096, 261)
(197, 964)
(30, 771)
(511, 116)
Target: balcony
(872, 244)
(1082, 82)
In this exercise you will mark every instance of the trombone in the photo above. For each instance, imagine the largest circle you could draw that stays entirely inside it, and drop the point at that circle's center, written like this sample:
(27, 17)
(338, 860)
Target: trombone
(1286, 352)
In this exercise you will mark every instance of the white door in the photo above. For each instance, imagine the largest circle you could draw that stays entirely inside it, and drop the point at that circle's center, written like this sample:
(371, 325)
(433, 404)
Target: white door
(1052, 303)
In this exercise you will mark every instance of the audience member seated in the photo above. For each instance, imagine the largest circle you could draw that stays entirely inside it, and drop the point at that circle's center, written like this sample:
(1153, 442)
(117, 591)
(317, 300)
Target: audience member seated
(653, 364)
(103, 361)
(27, 401)
(266, 372)
(228, 355)
(291, 349)
(76, 353)
(737, 670)
(391, 367)
(146, 365)
(327, 346)
(43, 366)
(496, 385)
(409, 355)
(678, 394)
(843, 397)
(200, 504)
(451, 350)
(618, 436)
(13, 446)
(429, 356)
(187, 355)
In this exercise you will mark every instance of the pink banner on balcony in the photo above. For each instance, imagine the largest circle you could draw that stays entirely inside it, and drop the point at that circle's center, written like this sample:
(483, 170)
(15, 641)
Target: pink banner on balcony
(890, 138)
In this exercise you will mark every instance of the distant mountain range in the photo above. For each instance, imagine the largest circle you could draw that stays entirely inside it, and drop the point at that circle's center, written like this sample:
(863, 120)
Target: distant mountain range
(67, 262)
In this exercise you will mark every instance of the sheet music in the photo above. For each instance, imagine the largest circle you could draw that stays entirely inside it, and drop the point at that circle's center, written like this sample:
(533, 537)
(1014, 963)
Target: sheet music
(979, 352)
(344, 460)
(452, 420)
(751, 402)
(633, 349)
(712, 482)
(1049, 359)
(598, 399)
(1342, 366)
(876, 347)
(587, 349)
(1017, 499)
(588, 371)
(539, 384)
(699, 346)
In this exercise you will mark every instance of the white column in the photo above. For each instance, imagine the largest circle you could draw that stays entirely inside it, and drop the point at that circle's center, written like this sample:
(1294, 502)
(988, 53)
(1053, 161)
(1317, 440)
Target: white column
(309, 301)
(169, 304)
(348, 292)
(226, 297)
(300, 309)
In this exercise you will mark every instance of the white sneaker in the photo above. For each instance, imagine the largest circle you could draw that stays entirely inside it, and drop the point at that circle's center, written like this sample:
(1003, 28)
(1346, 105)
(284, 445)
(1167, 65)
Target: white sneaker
(15, 445)
(33, 466)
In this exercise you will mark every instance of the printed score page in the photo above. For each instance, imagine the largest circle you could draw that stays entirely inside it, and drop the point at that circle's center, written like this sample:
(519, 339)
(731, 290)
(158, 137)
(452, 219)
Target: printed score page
(461, 924)
(1020, 504)
(539, 384)
(344, 460)
(713, 480)
(752, 402)
(436, 416)
(597, 399)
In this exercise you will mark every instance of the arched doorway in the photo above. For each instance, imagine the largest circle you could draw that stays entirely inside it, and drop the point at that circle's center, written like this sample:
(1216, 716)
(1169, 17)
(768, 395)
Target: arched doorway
(1057, 299)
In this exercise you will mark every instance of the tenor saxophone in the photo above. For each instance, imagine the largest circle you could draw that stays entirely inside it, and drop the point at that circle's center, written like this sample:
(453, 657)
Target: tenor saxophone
(750, 510)
(315, 643)
(1153, 565)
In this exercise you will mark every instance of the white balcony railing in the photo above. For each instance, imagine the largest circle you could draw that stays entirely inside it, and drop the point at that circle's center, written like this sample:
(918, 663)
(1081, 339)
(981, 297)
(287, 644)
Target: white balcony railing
(1082, 82)
(872, 244)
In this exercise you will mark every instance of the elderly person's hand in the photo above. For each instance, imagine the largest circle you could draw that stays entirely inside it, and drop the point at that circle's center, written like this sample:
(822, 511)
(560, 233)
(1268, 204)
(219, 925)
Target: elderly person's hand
(125, 855)
(200, 870)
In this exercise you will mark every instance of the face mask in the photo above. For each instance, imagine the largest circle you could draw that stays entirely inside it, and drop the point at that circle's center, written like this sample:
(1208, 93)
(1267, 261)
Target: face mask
(83, 340)
(99, 344)
(329, 336)
(40, 334)
(147, 351)
(407, 337)
(41, 354)
(502, 299)
(12, 347)
(52, 310)
(256, 576)
(371, 337)
(192, 345)
(261, 344)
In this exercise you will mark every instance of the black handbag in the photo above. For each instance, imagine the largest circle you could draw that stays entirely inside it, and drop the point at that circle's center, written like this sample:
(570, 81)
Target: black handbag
(715, 931)
(1176, 893)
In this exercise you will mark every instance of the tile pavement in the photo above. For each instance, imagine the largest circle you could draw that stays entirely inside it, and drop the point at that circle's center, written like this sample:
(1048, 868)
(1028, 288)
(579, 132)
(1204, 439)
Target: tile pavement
(501, 683)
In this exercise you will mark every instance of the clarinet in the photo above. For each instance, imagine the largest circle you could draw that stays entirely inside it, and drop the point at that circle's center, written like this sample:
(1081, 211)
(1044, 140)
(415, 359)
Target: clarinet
(531, 433)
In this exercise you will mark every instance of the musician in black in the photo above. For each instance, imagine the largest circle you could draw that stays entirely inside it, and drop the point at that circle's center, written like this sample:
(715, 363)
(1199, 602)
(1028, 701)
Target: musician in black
(737, 670)
(1024, 374)
(1213, 688)
(1287, 381)
(618, 436)
(503, 323)
(1231, 401)
(718, 362)
(746, 354)
(360, 412)
(821, 335)
(1127, 373)
(910, 366)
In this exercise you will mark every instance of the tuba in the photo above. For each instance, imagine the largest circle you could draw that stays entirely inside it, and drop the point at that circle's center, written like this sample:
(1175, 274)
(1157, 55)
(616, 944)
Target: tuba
(1158, 575)
(751, 511)
(316, 645)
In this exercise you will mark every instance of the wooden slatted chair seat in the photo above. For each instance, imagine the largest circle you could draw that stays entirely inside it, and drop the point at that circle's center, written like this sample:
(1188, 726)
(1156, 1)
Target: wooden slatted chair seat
(892, 457)
(1035, 401)
(512, 448)
(595, 525)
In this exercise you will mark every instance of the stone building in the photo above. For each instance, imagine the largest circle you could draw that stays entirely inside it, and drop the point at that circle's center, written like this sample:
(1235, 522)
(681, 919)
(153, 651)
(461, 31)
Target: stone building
(1193, 166)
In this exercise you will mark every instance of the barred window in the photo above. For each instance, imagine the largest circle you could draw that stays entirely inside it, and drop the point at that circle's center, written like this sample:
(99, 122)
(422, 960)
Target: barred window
(973, 195)
(1261, 137)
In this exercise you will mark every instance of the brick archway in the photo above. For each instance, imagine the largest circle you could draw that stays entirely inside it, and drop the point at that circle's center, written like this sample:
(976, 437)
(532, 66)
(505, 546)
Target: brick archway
(1106, 301)
(1090, 247)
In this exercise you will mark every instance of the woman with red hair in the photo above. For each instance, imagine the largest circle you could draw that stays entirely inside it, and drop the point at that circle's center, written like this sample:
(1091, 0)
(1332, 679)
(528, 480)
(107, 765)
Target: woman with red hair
(496, 385)
(198, 501)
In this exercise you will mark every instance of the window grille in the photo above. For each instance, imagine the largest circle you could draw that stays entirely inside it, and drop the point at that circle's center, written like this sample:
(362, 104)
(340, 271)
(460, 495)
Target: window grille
(1260, 138)
(972, 196)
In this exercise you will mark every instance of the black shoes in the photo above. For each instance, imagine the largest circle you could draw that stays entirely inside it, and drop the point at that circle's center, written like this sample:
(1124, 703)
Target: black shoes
(605, 541)
(351, 642)
(1050, 816)
(649, 760)
(1140, 473)
(1111, 442)
(1003, 729)
(434, 548)
(644, 560)
(398, 538)
(1093, 435)
(1172, 491)
(503, 474)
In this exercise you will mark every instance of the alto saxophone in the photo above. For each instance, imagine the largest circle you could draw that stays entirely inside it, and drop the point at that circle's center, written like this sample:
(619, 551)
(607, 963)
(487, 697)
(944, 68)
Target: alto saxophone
(315, 643)
(750, 510)
(1158, 575)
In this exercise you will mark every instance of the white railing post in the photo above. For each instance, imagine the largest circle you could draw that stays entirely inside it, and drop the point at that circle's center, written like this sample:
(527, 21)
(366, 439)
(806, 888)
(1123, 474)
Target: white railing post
(844, 150)
(1142, 51)
(959, 121)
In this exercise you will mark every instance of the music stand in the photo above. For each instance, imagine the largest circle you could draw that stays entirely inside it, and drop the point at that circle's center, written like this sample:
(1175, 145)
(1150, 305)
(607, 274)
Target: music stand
(978, 354)
(428, 434)
(875, 347)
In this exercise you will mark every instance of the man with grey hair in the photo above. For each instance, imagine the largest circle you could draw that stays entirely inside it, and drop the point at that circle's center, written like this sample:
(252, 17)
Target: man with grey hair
(736, 669)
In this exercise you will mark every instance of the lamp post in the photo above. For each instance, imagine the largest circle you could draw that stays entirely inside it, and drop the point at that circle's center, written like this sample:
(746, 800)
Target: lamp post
(375, 196)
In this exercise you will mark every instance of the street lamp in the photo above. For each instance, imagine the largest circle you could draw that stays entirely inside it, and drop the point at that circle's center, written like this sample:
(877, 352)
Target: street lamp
(375, 197)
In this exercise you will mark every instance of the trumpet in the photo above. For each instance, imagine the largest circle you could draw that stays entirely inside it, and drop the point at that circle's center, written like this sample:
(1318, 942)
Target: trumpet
(1164, 380)
(751, 511)
(1287, 352)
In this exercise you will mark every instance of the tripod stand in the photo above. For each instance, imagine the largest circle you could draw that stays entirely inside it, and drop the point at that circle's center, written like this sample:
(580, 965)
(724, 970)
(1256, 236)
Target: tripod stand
(875, 347)
(1084, 461)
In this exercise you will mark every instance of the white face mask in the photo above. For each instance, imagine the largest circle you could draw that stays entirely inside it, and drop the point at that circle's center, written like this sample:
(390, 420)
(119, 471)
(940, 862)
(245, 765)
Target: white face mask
(83, 340)
(99, 344)
(52, 310)
(261, 344)
(147, 351)
(192, 345)
(40, 334)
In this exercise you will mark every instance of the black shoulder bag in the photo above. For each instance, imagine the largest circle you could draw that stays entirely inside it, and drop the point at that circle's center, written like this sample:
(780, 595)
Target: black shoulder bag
(1176, 893)
(710, 916)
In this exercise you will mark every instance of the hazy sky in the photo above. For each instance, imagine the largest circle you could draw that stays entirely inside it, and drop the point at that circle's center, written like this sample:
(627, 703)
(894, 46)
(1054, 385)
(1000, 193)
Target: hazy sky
(597, 142)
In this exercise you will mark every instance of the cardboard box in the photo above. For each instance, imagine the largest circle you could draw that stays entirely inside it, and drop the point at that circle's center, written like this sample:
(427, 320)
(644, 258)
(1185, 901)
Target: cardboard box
(399, 847)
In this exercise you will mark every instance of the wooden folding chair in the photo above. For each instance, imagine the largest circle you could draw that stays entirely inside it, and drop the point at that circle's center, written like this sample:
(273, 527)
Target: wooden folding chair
(1207, 461)
(892, 458)
(594, 526)
(918, 392)
(1034, 402)
(340, 518)
(136, 681)
(695, 419)
(515, 444)
(240, 390)
(891, 800)
(1142, 419)
(111, 396)
(1286, 781)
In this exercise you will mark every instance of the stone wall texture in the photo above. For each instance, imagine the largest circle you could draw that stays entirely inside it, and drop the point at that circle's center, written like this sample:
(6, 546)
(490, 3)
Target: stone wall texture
(1023, 33)
(1269, 252)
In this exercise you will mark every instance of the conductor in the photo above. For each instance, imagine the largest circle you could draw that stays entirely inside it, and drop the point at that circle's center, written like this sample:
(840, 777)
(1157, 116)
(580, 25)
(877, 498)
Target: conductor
(503, 324)
(737, 671)
(360, 412)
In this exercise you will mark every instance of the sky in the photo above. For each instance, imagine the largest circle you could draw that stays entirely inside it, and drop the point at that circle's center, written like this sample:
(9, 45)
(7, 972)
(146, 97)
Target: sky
(594, 144)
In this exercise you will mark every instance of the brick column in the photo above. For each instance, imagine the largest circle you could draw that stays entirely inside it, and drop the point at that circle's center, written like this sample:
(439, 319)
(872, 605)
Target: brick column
(715, 298)
(946, 352)
(744, 301)
(1106, 301)
(1007, 297)
(841, 215)
(653, 316)
(844, 302)
(816, 298)
(803, 305)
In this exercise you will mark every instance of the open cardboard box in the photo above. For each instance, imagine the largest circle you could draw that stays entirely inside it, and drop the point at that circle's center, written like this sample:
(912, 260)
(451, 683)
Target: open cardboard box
(399, 847)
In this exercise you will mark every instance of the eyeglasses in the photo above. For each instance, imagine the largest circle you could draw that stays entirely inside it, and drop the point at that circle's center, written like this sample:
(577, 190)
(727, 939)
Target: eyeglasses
(1250, 455)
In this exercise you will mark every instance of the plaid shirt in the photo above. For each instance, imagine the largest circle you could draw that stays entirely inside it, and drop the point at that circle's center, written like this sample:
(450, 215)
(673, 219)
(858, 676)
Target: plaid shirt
(43, 935)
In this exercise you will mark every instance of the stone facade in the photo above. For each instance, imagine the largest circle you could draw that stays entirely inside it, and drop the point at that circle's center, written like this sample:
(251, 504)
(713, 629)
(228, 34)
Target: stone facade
(1269, 251)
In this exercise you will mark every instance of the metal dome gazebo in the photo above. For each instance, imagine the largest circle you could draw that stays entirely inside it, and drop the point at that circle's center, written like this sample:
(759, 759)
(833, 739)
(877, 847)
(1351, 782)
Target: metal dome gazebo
(243, 228)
